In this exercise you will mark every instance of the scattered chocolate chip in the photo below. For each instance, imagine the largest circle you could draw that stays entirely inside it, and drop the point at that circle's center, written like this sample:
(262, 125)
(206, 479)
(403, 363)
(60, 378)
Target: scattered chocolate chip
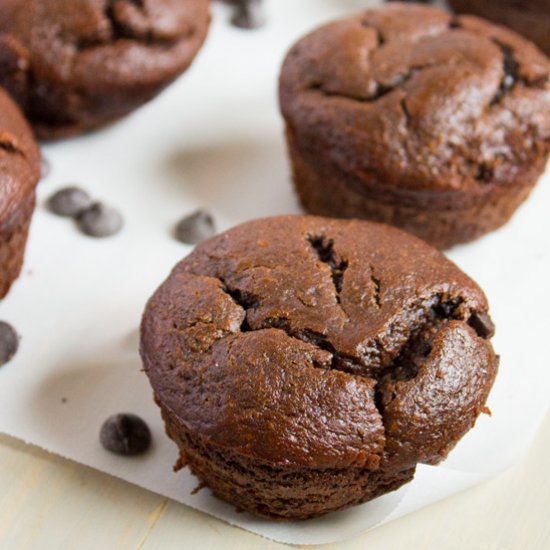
(9, 342)
(125, 434)
(482, 324)
(69, 202)
(248, 14)
(99, 220)
(93, 218)
(195, 228)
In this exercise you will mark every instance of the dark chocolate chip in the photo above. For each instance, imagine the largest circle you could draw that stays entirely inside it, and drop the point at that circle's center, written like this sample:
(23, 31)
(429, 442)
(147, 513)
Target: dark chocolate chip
(9, 342)
(510, 69)
(485, 173)
(69, 202)
(422, 347)
(195, 228)
(125, 434)
(482, 324)
(444, 310)
(100, 220)
(249, 14)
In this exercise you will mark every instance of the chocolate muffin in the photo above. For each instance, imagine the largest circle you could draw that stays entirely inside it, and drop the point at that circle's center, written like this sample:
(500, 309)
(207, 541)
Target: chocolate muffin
(74, 65)
(19, 174)
(531, 18)
(406, 115)
(303, 364)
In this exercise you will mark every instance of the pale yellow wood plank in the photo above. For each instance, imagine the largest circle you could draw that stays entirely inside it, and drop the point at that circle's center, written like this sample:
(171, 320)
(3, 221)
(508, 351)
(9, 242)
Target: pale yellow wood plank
(506, 513)
(47, 503)
(180, 526)
(510, 512)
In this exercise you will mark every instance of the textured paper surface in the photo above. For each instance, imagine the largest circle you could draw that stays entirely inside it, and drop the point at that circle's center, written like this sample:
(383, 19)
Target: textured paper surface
(214, 139)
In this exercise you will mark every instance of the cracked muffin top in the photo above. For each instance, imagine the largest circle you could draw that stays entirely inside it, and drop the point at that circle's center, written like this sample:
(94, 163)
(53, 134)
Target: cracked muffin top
(408, 97)
(19, 159)
(71, 62)
(308, 342)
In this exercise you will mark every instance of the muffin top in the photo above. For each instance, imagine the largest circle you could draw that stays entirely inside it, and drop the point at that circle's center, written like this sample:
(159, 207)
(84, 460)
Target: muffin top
(19, 159)
(308, 342)
(93, 46)
(409, 98)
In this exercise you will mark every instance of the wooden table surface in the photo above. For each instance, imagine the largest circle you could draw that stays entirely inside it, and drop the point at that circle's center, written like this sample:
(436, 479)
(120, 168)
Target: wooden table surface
(47, 502)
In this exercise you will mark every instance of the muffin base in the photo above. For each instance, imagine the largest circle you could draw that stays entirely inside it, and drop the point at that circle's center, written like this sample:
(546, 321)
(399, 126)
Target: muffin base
(325, 191)
(13, 238)
(277, 493)
(95, 114)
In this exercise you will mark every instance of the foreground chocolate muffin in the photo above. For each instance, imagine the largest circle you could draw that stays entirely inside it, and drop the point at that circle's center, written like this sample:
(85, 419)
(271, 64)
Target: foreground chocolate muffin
(531, 18)
(303, 365)
(406, 115)
(19, 174)
(74, 65)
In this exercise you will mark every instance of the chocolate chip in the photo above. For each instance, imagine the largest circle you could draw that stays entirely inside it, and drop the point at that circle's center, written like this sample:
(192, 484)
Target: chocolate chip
(69, 202)
(248, 14)
(482, 324)
(444, 310)
(195, 228)
(9, 342)
(125, 434)
(100, 220)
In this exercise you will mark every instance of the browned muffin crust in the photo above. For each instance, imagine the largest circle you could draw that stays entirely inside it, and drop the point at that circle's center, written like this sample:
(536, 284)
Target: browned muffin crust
(531, 18)
(437, 124)
(19, 174)
(303, 365)
(74, 65)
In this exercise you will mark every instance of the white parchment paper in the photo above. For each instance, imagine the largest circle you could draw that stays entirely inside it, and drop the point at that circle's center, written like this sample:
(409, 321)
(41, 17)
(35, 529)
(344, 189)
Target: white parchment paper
(214, 140)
